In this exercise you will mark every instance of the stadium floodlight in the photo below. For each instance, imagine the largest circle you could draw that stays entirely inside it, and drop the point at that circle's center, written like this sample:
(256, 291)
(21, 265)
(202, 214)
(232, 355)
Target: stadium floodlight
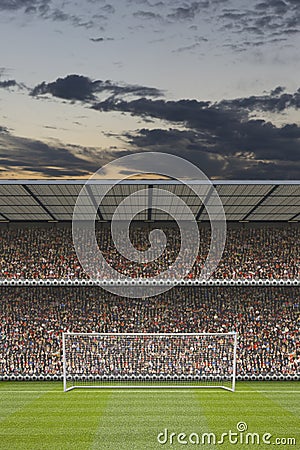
(149, 360)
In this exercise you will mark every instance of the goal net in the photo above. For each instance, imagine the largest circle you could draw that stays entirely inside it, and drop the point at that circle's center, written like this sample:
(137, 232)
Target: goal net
(147, 360)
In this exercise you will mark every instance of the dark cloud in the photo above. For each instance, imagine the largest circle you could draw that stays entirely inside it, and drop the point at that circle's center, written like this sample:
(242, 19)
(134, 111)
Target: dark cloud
(214, 157)
(58, 15)
(14, 5)
(78, 87)
(243, 25)
(263, 19)
(223, 128)
(191, 113)
(48, 9)
(196, 45)
(154, 4)
(3, 130)
(108, 9)
(146, 15)
(233, 15)
(101, 39)
(223, 131)
(8, 84)
(48, 160)
(244, 45)
(189, 11)
(276, 6)
(257, 18)
(223, 138)
(276, 101)
(34, 158)
(72, 87)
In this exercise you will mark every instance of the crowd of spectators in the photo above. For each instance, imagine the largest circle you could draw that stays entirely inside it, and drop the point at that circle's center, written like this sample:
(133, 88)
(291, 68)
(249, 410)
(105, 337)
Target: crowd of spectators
(32, 320)
(251, 252)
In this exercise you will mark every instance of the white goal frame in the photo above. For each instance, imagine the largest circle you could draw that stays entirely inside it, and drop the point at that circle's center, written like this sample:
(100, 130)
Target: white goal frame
(65, 335)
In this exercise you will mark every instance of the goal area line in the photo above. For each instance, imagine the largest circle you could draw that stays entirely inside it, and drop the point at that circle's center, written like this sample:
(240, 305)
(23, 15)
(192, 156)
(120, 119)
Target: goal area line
(171, 389)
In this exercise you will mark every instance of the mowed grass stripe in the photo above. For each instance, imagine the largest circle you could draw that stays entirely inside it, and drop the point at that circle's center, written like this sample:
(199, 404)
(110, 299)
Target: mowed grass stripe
(54, 422)
(132, 420)
(40, 386)
(8, 407)
(286, 399)
(289, 401)
(56, 387)
(276, 386)
(258, 411)
(20, 401)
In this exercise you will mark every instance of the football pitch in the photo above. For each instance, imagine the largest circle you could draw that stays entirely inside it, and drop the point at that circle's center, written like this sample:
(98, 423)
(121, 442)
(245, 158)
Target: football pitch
(39, 415)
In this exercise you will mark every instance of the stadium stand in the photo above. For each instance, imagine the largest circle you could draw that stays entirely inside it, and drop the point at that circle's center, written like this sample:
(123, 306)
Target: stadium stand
(251, 252)
(266, 319)
(36, 245)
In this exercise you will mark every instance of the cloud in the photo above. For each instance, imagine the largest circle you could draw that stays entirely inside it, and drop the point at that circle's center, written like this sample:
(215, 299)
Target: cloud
(276, 101)
(3, 130)
(276, 6)
(261, 20)
(58, 15)
(78, 87)
(72, 87)
(249, 19)
(222, 131)
(155, 4)
(32, 158)
(216, 160)
(226, 138)
(57, 12)
(225, 129)
(191, 47)
(6, 84)
(101, 39)
(239, 25)
(108, 9)
(146, 15)
(191, 113)
(27, 5)
(188, 12)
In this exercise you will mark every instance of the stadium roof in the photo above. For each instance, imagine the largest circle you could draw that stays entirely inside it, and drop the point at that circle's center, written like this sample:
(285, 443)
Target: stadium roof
(54, 200)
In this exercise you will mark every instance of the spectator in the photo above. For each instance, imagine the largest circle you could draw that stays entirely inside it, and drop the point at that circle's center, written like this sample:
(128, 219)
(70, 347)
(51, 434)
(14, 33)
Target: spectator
(260, 252)
(32, 320)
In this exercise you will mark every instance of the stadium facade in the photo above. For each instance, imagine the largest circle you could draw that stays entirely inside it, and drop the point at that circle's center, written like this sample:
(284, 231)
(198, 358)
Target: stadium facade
(263, 279)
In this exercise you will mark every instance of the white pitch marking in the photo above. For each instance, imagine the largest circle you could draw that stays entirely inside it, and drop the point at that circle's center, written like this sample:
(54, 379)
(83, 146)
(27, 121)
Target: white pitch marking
(146, 390)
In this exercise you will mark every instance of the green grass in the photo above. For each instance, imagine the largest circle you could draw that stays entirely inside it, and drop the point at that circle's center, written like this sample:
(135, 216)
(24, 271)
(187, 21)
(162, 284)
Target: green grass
(41, 416)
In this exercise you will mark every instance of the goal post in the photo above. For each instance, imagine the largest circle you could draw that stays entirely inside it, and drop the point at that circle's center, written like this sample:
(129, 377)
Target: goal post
(149, 360)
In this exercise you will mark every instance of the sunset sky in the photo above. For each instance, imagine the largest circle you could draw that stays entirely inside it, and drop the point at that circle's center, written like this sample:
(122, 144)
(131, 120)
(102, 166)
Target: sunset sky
(214, 81)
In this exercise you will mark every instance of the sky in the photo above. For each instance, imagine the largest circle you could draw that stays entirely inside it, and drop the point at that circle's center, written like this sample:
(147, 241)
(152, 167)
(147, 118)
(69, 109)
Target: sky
(214, 81)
